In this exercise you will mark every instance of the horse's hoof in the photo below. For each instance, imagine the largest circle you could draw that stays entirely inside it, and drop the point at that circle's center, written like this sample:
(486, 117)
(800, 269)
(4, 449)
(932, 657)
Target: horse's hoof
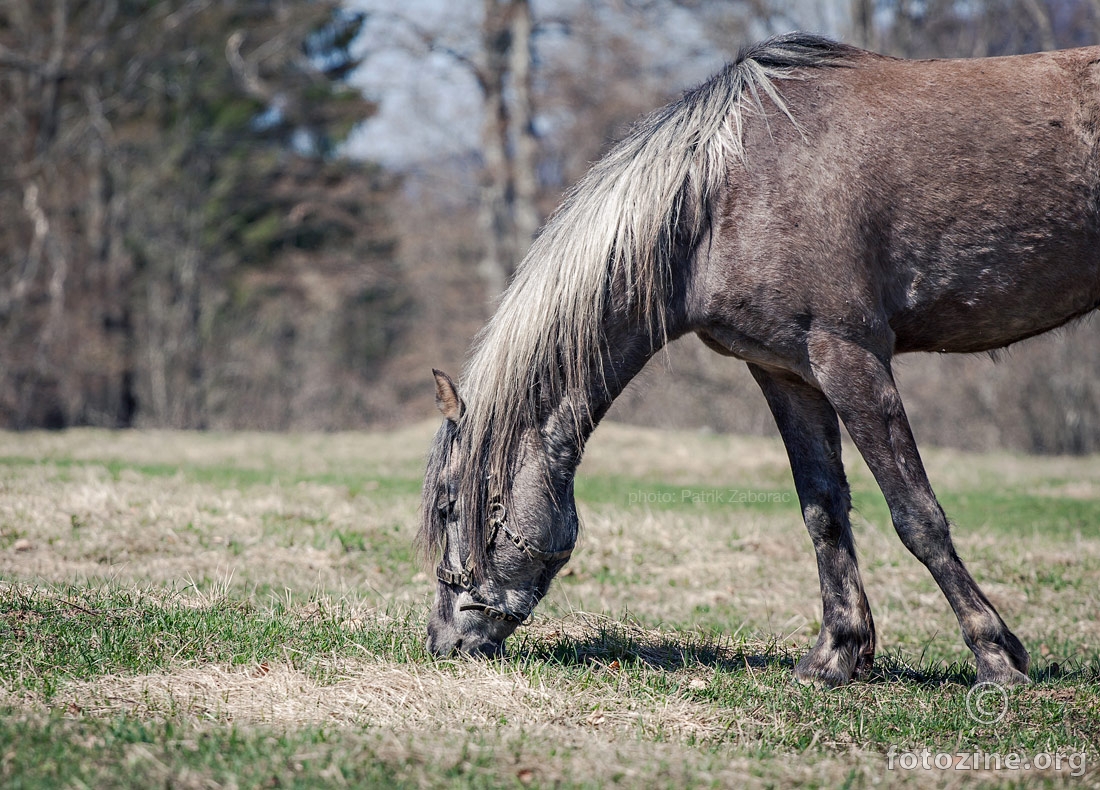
(1004, 662)
(821, 682)
(1003, 676)
(823, 673)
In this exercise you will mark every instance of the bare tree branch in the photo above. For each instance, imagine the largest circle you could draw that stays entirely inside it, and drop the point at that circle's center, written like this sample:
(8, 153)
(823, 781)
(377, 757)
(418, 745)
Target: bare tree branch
(432, 43)
(247, 74)
(522, 131)
(13, 60)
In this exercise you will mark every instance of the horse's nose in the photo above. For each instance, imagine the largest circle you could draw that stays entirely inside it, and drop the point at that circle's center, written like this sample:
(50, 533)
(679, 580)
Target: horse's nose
(437, 645)
(486, 649)
(442, 642)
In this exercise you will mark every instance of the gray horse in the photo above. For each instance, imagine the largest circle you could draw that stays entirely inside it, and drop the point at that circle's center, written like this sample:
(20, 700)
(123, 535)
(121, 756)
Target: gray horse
(813, 210)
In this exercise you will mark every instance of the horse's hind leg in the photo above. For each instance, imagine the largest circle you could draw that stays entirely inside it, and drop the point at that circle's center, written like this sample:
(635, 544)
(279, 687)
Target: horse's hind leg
(861, 388)
(846, 643)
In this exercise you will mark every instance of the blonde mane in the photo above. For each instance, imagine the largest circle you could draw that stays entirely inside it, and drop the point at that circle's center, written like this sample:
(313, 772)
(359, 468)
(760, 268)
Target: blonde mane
(606, 254)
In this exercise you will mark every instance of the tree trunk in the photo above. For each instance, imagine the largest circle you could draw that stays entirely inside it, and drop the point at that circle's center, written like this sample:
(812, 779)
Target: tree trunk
(1040, 15)
(525, 213)
(509, 217)
(863, 23)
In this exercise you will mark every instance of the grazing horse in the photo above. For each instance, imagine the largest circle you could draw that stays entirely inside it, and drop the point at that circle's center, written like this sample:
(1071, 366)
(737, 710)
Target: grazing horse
(813, 210)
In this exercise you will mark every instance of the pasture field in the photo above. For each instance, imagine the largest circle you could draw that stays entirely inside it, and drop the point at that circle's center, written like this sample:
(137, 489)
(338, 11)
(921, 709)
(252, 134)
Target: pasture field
(246, 610)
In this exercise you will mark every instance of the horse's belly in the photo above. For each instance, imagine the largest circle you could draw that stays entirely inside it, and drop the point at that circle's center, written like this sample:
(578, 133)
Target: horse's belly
(986, 321)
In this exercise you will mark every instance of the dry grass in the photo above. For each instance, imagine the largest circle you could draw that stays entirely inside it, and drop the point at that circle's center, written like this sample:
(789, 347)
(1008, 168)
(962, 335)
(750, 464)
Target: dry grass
(74, 515)
(399, 696)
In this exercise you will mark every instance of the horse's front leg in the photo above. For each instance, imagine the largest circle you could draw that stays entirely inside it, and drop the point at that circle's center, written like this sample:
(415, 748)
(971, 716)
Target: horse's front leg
(861, 388)
(846, 643)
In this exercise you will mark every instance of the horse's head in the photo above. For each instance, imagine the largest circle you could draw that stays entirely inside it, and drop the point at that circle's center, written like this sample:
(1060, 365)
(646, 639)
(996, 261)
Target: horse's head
(500, 535)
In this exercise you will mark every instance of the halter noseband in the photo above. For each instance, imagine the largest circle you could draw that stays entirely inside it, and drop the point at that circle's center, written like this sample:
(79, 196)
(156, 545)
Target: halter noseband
(463, 579)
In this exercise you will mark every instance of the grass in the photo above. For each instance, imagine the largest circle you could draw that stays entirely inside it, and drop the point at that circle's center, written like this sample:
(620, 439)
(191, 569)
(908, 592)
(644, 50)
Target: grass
(48, 637)
(60, 751)
(245, 610)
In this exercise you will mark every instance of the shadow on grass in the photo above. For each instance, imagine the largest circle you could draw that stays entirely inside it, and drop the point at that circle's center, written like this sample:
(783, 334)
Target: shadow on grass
(593, 640)
(629, 645)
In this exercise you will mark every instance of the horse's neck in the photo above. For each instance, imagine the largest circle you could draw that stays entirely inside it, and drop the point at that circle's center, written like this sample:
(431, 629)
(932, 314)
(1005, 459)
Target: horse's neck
(576, 416)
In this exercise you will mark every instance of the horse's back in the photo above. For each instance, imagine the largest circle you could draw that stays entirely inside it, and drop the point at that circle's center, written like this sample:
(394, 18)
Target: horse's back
(954, 201)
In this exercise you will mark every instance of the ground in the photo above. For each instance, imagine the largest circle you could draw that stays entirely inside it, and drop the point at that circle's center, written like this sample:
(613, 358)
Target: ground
(235, 610)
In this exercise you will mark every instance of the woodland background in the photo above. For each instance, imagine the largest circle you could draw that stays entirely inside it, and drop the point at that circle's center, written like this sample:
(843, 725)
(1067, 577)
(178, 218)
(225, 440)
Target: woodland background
(210, 220)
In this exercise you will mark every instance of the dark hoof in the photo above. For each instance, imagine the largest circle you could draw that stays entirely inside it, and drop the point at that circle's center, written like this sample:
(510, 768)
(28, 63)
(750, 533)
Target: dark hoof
(1001, 668)
(1006, 677)
(818, 676)
(830, 668)
(1004, 662)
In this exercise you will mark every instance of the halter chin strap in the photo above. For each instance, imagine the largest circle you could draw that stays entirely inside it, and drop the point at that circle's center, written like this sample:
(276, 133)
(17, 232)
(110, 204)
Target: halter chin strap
(498, 515)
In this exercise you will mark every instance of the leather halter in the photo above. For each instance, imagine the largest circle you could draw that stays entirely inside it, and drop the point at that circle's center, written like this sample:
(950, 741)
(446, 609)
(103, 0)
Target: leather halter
(498, 515)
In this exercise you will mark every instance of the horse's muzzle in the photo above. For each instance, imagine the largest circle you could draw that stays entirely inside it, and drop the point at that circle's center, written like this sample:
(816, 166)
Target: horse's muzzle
(444, 642)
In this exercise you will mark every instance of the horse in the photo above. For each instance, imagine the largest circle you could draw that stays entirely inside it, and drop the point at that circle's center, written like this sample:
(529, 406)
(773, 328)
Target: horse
(813, 210)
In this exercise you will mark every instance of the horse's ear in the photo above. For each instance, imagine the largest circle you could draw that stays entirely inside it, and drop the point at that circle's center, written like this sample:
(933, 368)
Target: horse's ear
(446, 397)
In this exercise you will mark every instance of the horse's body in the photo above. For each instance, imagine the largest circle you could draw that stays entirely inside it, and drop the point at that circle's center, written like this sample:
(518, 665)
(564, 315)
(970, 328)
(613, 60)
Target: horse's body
(812, 210)
(950, 204)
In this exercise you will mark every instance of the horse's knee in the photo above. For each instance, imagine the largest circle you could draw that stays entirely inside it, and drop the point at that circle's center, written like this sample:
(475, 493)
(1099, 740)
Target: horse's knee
(819, 523)
(825, 507)
(924, 531)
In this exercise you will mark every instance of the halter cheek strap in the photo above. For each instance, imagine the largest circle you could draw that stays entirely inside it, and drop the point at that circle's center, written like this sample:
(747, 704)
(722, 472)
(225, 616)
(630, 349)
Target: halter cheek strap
(458, 579)
(463, 579)
(525, 546)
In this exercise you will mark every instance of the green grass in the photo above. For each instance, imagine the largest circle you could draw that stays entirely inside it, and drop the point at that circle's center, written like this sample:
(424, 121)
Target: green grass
(641, 494)
(233, 476)
(57, 751)
(1001, 512)
(50, 636)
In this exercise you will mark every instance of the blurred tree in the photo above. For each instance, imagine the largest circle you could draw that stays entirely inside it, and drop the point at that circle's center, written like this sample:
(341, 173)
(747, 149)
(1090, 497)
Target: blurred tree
(503, 69)
(182, 245)
(863, 17)
(960, 28)
(177, 217)
(495, 48)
